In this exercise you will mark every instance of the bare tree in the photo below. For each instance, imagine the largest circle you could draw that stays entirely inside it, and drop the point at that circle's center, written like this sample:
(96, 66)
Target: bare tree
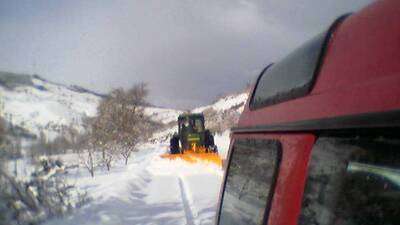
(109, 152)
(2, 142)
(2, 129)
(132, 122)
(89, 161)
(121, 123)
(89, 158)
(101, 128)
(72, 135)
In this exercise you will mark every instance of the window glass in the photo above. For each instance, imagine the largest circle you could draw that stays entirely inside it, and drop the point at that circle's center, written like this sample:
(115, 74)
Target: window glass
(198, 125)
(184, 124)
(290, 78)
(250, 178)
(353, 181)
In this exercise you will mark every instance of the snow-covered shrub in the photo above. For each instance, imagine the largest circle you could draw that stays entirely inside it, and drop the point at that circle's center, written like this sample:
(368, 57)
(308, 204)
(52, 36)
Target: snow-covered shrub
(46, 194)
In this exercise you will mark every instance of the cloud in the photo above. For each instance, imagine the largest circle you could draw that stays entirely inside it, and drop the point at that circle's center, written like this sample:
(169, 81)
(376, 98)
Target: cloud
(188, 51)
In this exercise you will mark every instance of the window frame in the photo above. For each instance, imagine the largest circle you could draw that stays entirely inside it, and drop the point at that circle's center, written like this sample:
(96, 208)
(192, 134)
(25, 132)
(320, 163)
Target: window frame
(275, 176)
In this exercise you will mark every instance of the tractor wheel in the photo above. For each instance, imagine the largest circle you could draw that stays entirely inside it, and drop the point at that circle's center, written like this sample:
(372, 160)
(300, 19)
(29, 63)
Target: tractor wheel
(214, 149)
(174, 145)
(209, 142)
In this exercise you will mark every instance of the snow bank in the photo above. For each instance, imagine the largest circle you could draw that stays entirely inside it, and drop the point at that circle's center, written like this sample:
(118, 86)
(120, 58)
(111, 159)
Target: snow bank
(223, 141)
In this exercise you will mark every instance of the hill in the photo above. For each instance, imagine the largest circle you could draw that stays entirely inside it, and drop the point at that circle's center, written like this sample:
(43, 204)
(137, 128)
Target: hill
(37, 106)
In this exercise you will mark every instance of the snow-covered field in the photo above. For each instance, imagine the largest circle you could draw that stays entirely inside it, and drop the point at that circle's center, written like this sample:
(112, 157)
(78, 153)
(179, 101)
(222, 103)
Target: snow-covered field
(150, 190)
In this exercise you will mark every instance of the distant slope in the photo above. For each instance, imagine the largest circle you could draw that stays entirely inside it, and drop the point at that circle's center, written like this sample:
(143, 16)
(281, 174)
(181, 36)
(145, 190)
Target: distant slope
(229, 102)
(163, 115)
(38, 105)
(46, 107)
(224, 113)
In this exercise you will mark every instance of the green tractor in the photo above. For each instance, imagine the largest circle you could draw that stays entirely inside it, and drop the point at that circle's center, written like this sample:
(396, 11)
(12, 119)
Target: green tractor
(192, 136)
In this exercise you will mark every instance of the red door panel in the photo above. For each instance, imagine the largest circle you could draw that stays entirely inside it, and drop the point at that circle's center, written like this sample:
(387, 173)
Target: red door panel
(286, 200)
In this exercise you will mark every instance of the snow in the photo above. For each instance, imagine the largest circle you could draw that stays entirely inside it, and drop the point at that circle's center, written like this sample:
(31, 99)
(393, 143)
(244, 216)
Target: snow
(223, 141)
(225, 103)
(162, 114)
(150, 190)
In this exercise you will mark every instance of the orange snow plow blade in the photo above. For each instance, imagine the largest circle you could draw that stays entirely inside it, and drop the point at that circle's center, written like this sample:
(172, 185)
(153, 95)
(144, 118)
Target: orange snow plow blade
(196, 157)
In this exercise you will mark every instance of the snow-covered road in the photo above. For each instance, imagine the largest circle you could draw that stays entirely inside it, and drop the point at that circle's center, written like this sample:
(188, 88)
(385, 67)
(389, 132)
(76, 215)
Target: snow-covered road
(150, 190)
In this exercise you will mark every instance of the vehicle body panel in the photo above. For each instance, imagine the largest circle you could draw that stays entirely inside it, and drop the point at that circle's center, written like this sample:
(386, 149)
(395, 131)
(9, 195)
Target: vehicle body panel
(358, 86)
(352, 79)
(296, 150)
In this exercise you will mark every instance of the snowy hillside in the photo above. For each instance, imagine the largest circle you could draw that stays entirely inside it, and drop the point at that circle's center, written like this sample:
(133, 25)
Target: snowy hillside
(162, 115)
(46, 107)
(230, 102)
(37, 105)
(224, 113)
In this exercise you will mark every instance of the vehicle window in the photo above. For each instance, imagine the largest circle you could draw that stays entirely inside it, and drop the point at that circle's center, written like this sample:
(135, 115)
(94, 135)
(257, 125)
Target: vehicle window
(290, 78)
(198, 125)
(293, 76)
(353, 181)
(184, 125)
(251, 175)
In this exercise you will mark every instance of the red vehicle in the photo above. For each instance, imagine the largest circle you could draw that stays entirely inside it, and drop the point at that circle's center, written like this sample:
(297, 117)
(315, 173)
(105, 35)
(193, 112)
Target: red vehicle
(319, 139)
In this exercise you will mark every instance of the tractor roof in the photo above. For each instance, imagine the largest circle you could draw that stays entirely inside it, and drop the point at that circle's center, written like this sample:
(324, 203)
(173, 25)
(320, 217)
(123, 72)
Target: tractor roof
(190, 115)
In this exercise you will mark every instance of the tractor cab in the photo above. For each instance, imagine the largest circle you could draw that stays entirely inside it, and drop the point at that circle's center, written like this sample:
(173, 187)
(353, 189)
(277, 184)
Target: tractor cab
(191, 131)
(193, 142)
(192, 135)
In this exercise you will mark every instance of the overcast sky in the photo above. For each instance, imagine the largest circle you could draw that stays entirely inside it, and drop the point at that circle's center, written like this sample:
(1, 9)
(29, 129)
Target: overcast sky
(188, 51)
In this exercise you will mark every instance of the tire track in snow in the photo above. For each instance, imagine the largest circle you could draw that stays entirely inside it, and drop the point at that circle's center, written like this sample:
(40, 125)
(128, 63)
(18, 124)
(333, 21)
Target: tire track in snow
(186, 204)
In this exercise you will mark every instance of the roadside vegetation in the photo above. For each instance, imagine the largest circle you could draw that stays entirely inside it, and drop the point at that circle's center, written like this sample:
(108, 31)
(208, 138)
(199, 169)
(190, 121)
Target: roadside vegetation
(117, 129)
(107, 138)
(34, 198)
